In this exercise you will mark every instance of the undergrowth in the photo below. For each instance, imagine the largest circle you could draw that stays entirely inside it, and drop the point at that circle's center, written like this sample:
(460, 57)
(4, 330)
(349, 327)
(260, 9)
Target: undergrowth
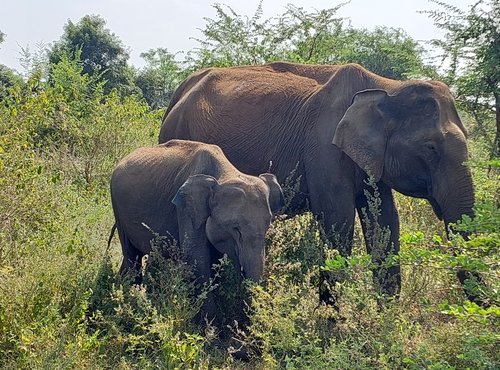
(62, 304)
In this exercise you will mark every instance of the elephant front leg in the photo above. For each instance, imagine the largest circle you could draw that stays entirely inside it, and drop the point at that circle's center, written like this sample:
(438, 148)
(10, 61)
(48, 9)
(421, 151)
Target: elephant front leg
(197, 253)
(200, 259)
(380, 224)
(337, 218)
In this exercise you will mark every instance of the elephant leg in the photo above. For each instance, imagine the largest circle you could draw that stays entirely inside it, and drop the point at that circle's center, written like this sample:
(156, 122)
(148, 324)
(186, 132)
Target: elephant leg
(381, 232)
(337, 218)
(341, 238)
(472, 294)
(132, 260)
(203, 271)
(198, 255)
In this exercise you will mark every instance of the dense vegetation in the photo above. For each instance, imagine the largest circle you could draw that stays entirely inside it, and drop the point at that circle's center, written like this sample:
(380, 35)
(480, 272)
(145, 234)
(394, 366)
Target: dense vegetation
(64, 126)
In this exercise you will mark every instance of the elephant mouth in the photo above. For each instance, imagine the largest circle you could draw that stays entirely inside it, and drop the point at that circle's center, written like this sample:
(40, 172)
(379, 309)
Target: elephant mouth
(413, 186)
(436, 208)
(421, 188)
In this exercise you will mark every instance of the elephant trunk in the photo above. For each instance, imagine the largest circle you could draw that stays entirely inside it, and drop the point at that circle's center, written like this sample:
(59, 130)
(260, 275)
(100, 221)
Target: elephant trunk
(456, 198)
(252, 260)
(457, 202)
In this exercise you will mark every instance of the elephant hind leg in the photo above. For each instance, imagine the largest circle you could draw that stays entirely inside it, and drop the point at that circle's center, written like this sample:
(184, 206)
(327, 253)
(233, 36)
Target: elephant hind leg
(132, 260)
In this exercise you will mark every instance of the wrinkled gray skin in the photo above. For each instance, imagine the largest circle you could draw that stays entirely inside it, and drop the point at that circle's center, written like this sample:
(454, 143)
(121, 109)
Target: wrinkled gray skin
(407, 134)
(190, 191)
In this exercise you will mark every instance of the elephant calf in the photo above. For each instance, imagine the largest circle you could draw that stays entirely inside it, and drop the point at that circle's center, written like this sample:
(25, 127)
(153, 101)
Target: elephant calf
(190, 191)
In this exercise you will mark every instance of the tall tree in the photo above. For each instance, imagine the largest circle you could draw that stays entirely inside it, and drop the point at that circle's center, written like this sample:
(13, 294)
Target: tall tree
(160, 77)
(101, 52)
(471, 47)
(233, 39)
(306, 37)
(389, 52)
(8, 77)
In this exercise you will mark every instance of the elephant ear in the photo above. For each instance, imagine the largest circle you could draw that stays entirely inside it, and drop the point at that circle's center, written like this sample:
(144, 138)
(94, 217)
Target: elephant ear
(361, 131)
(192, 198)
(276, 197)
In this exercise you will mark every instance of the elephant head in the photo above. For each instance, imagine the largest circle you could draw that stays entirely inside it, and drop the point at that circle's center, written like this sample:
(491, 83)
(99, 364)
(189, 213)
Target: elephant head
(232, 215)
(412, 140)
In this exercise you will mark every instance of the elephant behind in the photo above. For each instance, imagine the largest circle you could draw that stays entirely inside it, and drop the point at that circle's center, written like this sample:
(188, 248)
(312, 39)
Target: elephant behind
(190, 191)
(406, 134)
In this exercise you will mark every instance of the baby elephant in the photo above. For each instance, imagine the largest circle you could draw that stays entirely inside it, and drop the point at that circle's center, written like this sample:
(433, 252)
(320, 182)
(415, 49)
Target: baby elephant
(189, 190)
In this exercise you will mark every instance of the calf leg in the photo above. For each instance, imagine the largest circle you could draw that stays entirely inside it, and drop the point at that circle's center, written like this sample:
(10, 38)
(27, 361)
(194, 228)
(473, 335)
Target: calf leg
(132, 260)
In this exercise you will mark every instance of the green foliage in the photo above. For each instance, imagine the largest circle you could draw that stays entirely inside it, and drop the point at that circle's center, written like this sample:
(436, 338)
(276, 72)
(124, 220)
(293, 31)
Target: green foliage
(306, 37)
(231, 294)
(35, 61)
(471, 45)
(160, 77)
(58, 144)
(290, 329)
(388, 52)
(314, 37)
(8, 79)
(135, 325)
(232, 39)
(102, 54)
(294, 248)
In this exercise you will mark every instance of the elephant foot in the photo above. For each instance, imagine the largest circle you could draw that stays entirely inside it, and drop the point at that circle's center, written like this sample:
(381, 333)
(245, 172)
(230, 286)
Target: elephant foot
(473, 285)
(243, 351)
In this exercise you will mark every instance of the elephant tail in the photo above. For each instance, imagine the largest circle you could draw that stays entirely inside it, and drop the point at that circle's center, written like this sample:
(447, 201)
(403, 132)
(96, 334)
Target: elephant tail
(111, 234)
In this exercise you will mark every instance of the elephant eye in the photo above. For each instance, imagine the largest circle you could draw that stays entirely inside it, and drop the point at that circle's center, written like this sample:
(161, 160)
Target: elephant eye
(237, 231)
(430, 152)
(430, 147)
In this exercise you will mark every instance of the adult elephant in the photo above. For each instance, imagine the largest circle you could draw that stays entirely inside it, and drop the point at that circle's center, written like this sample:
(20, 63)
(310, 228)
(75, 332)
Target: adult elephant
(406, 134)
(192, 192)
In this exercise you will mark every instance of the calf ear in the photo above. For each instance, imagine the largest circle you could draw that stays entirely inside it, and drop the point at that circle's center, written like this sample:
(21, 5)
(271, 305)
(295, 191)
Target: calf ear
(192, 198)
(276, 197)
(361, 131)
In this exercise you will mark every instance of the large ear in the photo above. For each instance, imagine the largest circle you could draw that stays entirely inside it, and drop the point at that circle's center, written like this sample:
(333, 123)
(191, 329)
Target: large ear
(361, 131)
(193, 196)
(276, 197)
